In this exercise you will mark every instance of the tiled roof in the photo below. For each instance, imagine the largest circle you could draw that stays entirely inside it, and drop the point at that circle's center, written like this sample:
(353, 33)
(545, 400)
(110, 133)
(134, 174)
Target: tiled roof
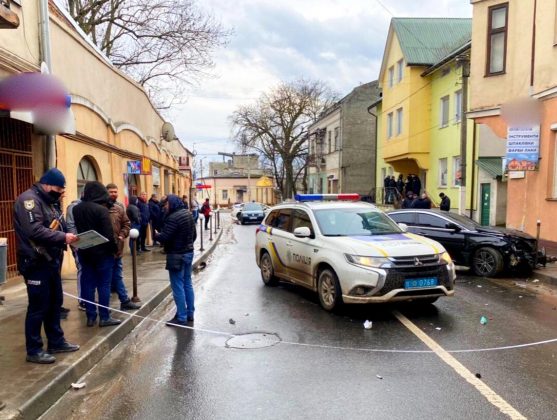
(426, 41)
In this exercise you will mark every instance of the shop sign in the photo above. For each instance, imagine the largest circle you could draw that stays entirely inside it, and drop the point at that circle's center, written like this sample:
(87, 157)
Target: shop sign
(134, 167)
(184, 163)
(523, 148)
(156, 176)
(146, 166)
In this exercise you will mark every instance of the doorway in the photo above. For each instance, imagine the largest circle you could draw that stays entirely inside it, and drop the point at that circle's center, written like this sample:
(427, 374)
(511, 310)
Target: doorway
(486, 203)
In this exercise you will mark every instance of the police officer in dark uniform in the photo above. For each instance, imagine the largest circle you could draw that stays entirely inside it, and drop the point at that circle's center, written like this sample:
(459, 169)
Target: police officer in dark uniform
(41, 240)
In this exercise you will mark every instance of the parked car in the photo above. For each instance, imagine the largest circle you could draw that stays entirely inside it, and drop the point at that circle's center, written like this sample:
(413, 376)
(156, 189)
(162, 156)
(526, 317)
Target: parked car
(250, 213)
(486, 250)
(349, 252)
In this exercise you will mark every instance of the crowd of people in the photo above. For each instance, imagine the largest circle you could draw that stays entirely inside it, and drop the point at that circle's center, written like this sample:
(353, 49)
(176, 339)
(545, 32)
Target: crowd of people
(43, 234)
(407, 193)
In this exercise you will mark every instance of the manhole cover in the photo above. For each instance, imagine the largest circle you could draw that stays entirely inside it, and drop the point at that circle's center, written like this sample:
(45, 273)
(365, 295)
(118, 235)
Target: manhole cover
(253, 341)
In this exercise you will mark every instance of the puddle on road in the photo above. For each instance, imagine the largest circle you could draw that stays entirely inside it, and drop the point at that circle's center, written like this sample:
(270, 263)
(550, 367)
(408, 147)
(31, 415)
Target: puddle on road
(253, 341)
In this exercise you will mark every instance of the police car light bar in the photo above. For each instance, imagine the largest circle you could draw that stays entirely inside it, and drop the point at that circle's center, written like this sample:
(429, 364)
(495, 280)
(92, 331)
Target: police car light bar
(323, 197)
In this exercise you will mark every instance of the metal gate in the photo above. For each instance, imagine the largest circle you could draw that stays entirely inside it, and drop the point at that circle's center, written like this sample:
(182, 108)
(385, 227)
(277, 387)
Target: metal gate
(16, 176)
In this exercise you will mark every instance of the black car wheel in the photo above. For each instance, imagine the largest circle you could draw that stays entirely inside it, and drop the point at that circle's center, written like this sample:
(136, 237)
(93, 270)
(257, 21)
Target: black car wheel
(267, 270)
(487, 262)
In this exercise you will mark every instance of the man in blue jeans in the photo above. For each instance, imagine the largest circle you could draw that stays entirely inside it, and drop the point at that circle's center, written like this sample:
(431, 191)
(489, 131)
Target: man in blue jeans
(178, 236)
(98, 261)
(121, 228)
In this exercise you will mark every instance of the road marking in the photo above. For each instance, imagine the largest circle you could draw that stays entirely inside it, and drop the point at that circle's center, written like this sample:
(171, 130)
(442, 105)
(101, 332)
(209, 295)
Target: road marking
(459, 368)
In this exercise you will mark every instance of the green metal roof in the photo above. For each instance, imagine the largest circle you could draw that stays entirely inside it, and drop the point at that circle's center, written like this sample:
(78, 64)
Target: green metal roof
(426, 41)
(492, 165)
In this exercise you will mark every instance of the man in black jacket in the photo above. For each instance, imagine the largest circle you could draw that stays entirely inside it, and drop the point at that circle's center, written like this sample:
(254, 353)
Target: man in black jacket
(40, 241)
(445, 202)
(134, 215)
(98, 261)
(178, 236)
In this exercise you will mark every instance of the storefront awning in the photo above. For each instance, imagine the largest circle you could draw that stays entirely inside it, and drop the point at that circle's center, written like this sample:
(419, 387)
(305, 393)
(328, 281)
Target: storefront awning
(492, 165)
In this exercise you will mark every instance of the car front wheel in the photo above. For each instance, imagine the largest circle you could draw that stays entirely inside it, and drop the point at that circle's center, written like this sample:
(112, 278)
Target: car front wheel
(267, 270)
(328, 290)
(487, 262)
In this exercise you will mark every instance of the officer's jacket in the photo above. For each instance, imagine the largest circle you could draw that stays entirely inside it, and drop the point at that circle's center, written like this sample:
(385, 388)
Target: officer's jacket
(34, 212)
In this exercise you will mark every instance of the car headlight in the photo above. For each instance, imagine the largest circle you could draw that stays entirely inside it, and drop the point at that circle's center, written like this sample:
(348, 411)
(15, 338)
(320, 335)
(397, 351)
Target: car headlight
(377, 262)
(445, 258)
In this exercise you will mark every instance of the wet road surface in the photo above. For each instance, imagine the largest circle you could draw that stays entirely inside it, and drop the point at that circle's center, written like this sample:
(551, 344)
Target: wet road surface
(161, 372)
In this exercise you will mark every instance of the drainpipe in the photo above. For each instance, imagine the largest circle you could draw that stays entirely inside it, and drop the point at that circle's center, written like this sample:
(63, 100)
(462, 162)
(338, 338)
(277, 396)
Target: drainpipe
(376, 138)
(47, 58)
(473, 180)
(465, 61)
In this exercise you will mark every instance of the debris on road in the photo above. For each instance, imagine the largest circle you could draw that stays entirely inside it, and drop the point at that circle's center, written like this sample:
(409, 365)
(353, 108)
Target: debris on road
(535, 281)
(438, 328)
(246, 314)
(78, 385)
(368, 324)
(478, 376)
(379, 377)
(483, 320)
(479, 285)
(232, 322)
(520, 297)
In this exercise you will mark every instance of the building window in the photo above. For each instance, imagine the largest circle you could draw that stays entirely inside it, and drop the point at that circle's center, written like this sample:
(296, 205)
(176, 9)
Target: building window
(399, 117)
(329, 140)
(443, 172)
(458, 105)
(389, 125)
(391, 76)
(337, 138)
(456, 171)
(85, 172)
(497, 39)
(225, 194)
(444, 111)
(399, 70)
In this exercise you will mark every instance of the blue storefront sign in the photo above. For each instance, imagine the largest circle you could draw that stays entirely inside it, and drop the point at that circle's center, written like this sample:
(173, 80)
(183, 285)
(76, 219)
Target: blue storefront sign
(134, 167)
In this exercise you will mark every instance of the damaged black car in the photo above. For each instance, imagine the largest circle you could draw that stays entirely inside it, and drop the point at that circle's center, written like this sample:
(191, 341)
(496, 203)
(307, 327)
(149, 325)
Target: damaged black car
(486, 250)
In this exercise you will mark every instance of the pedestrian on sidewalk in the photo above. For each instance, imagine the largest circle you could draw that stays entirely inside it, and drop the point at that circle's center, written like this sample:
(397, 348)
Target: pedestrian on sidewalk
(445, 202)
(178, 236)
(206, 211)
(40, 242)
(121, 226)
(195, 209)
(135, 219)
(155, 214)
(97, 261)
(145, 218)
(70, 223)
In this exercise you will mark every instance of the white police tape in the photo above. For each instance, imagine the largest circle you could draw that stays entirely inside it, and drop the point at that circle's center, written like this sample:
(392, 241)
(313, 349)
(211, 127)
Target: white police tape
(320, 346)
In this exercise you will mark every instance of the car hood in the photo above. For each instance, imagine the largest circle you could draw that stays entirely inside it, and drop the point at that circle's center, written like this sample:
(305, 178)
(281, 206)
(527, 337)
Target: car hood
(393, 245)
(499, 231)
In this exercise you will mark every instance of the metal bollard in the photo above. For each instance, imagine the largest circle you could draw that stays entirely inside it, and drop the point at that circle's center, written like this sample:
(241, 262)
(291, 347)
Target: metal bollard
(201, 234)
(211, 227)
(134, 235)
(216, 220)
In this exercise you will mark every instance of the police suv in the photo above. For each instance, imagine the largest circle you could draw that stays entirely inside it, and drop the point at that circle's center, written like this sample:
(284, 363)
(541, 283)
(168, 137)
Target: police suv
(350, 252)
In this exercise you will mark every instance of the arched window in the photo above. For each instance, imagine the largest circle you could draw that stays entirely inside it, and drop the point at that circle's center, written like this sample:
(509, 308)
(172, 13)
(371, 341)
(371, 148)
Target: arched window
(85, 172)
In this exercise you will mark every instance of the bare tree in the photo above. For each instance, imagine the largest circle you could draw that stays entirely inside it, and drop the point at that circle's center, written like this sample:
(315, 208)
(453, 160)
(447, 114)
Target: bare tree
(276, 127)
(163, 44)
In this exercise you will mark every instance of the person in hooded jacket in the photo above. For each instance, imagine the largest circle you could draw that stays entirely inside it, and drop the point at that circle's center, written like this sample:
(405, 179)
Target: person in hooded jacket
(134, 215)
(98, 261)
(145, 218)
(178, 236)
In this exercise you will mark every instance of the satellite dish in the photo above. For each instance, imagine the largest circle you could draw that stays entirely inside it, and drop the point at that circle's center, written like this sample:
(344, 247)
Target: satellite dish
(168, 133)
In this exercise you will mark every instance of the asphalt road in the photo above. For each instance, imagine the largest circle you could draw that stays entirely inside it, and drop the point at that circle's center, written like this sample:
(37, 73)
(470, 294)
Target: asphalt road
(160, 372)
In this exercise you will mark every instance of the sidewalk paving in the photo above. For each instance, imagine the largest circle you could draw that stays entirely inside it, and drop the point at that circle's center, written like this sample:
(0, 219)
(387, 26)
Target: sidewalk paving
(547, 274)
(27, 390)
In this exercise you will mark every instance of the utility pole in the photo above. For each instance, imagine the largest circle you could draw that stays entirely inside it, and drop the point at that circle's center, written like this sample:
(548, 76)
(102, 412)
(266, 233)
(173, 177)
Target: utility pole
(464, 60)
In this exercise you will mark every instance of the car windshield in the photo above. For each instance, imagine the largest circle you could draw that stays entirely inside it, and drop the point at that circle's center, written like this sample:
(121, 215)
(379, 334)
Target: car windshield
(355, 222)
(253, 207)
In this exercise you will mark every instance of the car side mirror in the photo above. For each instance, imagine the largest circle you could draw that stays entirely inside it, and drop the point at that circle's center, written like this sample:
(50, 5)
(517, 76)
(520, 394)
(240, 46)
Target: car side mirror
(453, 226)
(302, 232)
(403, 227)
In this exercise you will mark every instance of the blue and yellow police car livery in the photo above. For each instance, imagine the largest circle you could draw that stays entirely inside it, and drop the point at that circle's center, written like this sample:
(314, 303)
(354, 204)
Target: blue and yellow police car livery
(349, 251)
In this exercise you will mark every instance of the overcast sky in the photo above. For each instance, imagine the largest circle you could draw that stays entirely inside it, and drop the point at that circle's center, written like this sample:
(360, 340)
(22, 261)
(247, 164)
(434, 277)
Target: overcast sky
(340, 42)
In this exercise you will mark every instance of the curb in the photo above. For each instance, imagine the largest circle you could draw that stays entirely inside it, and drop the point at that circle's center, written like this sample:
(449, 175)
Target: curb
(35, 406)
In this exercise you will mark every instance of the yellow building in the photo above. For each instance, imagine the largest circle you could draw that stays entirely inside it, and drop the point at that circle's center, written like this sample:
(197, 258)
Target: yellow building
(116, 126)
(405, 119)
